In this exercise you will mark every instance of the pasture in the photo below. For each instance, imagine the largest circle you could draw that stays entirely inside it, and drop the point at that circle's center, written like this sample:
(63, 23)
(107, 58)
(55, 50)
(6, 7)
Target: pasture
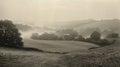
(59, 46)
(105, 56)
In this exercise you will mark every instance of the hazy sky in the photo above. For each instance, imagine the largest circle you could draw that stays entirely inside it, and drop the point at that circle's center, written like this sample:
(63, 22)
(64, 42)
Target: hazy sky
(51, 11)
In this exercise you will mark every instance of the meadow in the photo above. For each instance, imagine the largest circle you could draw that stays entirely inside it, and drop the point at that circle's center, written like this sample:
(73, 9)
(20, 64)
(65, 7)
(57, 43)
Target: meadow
(78, 55)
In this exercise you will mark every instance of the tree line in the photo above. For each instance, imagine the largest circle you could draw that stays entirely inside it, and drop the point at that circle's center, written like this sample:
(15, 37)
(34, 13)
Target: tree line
(10, 36)
(70, 34)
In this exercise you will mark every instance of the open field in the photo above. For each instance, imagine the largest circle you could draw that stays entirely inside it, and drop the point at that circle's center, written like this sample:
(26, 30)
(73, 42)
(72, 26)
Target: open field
(108, 56)
(59, 46)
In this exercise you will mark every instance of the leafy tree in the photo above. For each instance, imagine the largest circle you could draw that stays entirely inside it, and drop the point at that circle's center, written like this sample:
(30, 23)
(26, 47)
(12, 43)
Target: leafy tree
(68, 34)
(48, 36)
(35, 36)
(9, 34)
(113, 35)
(68, 37)
(80, 38)
(95, 35)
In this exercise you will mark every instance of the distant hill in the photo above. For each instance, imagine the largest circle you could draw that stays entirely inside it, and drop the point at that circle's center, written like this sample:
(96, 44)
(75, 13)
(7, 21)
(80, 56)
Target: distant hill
(24, 28)
(86, 27)
(103, 26)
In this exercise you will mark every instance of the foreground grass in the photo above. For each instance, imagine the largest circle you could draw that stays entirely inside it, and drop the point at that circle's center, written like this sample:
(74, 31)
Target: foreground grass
(108, 56)
(21, 58)
(92, 60)
(88, 59)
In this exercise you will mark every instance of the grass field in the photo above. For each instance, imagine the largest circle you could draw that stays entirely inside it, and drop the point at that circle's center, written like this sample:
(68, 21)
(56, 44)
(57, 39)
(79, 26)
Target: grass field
(58, 46)
(78, 56)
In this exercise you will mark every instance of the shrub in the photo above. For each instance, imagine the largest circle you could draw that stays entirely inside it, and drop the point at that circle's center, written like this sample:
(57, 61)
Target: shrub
(68, 37)
(67, 34)
(104, 42)
(35, 36)
(113, 35)
(80, 38)
(95, 35)
(48, 36)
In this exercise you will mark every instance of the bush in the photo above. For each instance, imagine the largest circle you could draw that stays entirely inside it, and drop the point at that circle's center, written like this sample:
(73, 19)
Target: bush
(68, 37)
(95, 35)
(35, 36)
(101, 42)
(47, 36)
(80, 38)
(9, 34)
(67, 34)
(104, 42)
(113, 35)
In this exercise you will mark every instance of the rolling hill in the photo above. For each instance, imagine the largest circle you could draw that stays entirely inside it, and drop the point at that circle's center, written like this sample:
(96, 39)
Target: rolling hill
(78, 56)
(86, 27)
(21, 58)
(103, 25)
(108, 56)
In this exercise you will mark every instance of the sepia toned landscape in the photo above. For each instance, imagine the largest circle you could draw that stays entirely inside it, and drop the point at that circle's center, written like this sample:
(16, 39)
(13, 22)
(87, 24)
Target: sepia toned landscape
(59, 33)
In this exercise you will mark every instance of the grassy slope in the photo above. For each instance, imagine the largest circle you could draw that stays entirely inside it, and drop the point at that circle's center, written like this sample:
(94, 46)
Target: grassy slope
(20, 58)
(108, 56)
(17, 58)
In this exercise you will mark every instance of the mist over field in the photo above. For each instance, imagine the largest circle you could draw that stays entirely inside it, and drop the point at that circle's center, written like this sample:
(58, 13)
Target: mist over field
(84, 27)
(59, 33)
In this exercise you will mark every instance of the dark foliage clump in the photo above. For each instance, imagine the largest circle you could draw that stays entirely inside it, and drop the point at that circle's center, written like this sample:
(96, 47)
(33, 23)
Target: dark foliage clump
(70, 35)
(95, 37)
(80, 38)
(48, 36)
(9, 34)
(113, 35)
(67, 34)
(35, 36)
(45, 36)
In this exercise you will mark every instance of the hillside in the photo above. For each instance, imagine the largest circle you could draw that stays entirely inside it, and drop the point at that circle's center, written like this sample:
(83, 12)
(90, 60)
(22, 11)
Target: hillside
(22, 58)
(84, 27)
(108, 56)
(104, 26)
(23, 28)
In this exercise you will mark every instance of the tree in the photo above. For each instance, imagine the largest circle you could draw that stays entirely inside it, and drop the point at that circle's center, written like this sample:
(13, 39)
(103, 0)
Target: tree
(9, 34)
(80, 38)
(68, 34)
(35, 36)
(113, 35)
(48, 36)
(95, 35)
(68, 37)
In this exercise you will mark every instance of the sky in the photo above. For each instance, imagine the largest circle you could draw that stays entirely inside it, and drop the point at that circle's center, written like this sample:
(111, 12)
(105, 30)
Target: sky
(47, 12)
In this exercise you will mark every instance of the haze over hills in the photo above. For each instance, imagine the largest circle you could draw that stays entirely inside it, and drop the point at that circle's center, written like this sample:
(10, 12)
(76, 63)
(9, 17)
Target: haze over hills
(103, 26)
(84, 27)
(24, 28)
